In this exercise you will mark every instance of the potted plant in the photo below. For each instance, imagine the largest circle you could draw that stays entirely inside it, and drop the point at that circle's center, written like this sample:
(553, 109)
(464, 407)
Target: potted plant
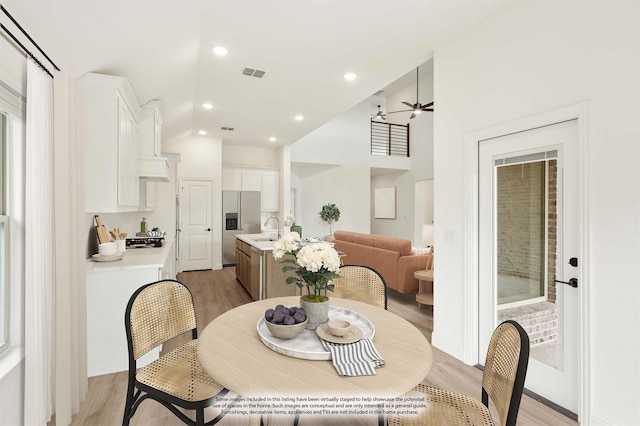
(315, 265)
(330, 213)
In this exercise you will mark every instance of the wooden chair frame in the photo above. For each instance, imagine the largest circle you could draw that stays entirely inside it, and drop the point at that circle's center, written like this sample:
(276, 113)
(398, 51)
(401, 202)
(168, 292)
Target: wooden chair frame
(369, 270)
(138, 391)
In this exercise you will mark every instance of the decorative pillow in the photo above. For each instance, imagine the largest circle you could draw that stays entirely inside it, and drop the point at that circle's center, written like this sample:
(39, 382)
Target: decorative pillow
(420, 250)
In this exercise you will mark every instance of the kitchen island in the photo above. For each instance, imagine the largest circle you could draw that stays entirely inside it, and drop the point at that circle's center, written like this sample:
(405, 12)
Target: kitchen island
(257, 270)
(109, 287)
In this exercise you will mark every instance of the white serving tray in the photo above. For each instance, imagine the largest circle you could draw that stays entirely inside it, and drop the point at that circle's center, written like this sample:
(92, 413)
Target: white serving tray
(307, 345)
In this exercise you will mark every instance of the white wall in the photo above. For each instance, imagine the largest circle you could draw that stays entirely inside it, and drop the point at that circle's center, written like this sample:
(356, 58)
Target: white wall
(342, 148)
(343, 140)
(424, 209)
(403, 225)
(345, 186)
(420, 127)
(201, 157)
(244, 156)
(535, 57)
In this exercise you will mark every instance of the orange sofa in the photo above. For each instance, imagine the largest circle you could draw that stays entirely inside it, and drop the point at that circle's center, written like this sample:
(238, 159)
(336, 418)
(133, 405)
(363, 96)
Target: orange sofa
(391, 257)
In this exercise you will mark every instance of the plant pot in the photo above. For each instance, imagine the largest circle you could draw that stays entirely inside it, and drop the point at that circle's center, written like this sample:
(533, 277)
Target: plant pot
(317, 312)
(297, 228)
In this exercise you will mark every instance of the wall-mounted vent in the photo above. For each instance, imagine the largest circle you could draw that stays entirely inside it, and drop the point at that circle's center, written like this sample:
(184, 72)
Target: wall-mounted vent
(379, 92)
(229, 129)
(253, 73)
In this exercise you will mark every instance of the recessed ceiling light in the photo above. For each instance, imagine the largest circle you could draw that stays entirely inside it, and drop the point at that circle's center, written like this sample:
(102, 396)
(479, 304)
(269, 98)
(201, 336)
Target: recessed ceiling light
(220, 51)
(272, 139)
(299, 117)
(350, 76)
(202, 132)
(207, 106)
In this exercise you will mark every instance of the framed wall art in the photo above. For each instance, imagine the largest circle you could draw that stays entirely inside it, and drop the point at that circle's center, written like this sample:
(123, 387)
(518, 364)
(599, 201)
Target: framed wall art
(385, 203)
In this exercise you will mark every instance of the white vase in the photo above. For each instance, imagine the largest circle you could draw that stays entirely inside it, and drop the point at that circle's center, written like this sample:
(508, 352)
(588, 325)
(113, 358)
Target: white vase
(317, 313)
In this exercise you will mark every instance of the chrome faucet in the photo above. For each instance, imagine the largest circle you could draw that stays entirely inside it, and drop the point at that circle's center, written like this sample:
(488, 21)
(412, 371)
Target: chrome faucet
(266, 224)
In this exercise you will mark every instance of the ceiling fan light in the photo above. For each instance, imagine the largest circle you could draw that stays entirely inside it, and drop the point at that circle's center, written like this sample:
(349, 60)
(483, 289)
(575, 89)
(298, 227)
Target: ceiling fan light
(417, 111)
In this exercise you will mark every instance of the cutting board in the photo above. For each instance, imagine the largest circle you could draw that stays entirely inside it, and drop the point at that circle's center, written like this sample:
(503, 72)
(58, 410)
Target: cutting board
(103, 237)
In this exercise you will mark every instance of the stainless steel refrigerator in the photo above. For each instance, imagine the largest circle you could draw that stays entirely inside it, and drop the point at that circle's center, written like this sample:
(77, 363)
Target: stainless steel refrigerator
(240, 215)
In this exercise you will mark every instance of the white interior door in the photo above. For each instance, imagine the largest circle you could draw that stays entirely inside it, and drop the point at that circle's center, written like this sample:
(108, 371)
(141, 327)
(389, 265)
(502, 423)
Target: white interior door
(196, 237)
(528, 241)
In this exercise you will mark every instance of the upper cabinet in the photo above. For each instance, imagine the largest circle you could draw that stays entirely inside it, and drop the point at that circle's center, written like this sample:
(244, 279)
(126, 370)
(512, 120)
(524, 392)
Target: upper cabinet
(241, 179)
(151, 130)
(265, 181)
(109, 132)
(271, 190)
(153, 167)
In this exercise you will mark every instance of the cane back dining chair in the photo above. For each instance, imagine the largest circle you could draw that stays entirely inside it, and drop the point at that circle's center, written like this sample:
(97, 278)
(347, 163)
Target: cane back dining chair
(156, 313)
(502, 383)
(361, 283)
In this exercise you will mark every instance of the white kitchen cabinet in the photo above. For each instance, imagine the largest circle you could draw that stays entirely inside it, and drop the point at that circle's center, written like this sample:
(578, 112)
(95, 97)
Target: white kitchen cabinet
(236, 179)
(270, 190)
(251, 180)
(128, 156)
(109, 132)
(151, 130)
(109, 288)
(231, 179)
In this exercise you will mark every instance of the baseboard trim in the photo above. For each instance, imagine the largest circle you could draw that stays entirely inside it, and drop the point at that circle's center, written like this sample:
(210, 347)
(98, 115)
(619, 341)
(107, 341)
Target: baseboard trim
(545, 401)
(551, 404)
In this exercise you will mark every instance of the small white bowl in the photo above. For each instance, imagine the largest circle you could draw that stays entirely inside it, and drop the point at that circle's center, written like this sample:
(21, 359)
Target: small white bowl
(338, 327)
(108, 249)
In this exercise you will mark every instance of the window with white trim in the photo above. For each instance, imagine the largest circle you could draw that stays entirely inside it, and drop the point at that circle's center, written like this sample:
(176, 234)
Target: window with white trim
(4, 243)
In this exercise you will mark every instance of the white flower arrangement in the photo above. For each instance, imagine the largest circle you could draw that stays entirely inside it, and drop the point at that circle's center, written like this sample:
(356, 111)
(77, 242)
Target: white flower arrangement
(314, 257)
(288, 244)
(289, 221)
(315, 265)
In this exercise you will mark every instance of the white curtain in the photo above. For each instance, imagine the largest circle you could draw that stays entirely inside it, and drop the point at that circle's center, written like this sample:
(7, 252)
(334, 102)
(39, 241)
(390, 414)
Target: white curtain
(70, 257)
(39, 272)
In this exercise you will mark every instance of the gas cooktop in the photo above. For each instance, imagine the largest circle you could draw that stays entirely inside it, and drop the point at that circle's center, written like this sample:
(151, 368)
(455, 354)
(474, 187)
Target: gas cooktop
(144, 242)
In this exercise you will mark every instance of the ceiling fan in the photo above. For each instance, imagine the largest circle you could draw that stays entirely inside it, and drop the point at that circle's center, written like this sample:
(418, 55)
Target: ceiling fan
(416, 108)
(380, 115)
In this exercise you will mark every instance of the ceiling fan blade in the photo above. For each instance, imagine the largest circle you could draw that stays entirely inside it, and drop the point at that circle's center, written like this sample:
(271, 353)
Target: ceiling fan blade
(412, 115)
(427, 105)
(409, 105)
(404, 110)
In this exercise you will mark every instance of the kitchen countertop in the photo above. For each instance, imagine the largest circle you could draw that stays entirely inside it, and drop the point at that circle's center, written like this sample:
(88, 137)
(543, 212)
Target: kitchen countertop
(141, 258)
(263, 242)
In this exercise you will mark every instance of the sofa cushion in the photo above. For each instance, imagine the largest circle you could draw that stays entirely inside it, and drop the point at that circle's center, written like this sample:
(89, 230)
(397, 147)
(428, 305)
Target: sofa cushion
(400, 245)
(390, 256)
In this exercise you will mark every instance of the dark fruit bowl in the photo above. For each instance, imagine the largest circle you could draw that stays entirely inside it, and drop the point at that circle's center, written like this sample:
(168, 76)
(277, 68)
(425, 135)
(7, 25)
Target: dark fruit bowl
(282, 331)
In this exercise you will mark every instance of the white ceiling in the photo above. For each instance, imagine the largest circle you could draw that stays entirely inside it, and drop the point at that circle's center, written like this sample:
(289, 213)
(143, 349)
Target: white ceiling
(305, 47)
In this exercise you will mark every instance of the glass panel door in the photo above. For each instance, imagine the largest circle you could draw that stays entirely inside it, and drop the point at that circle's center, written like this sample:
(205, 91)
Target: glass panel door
(522, 203)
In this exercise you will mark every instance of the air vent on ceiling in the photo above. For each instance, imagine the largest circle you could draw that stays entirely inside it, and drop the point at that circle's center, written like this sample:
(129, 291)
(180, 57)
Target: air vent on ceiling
(378, 93)
(229, 129)
(253, 73)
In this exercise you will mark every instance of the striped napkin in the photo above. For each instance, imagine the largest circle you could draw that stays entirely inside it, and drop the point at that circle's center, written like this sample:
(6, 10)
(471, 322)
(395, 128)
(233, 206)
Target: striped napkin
(354, 359)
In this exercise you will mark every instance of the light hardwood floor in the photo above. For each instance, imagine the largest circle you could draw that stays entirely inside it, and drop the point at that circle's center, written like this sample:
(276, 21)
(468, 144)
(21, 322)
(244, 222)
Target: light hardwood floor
(216, 292)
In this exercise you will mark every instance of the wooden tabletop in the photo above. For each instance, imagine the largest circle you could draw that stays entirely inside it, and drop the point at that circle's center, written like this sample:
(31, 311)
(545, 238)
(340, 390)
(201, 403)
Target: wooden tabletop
(423, 275)
(230, 350)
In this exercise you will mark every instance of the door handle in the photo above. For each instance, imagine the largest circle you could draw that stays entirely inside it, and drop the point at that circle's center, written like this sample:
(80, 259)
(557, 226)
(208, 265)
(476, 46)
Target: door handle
(208, 229)
(573, 282)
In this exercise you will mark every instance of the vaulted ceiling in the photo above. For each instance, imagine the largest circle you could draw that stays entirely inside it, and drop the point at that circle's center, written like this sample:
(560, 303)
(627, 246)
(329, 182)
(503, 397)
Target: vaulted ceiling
(305, 48)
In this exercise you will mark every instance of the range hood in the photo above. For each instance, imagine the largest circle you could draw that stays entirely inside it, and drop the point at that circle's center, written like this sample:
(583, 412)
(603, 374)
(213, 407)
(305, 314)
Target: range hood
(154, 169)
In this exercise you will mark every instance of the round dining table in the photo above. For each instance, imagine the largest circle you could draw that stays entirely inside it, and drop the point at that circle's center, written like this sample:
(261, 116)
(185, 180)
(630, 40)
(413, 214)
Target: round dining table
(231, 351)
